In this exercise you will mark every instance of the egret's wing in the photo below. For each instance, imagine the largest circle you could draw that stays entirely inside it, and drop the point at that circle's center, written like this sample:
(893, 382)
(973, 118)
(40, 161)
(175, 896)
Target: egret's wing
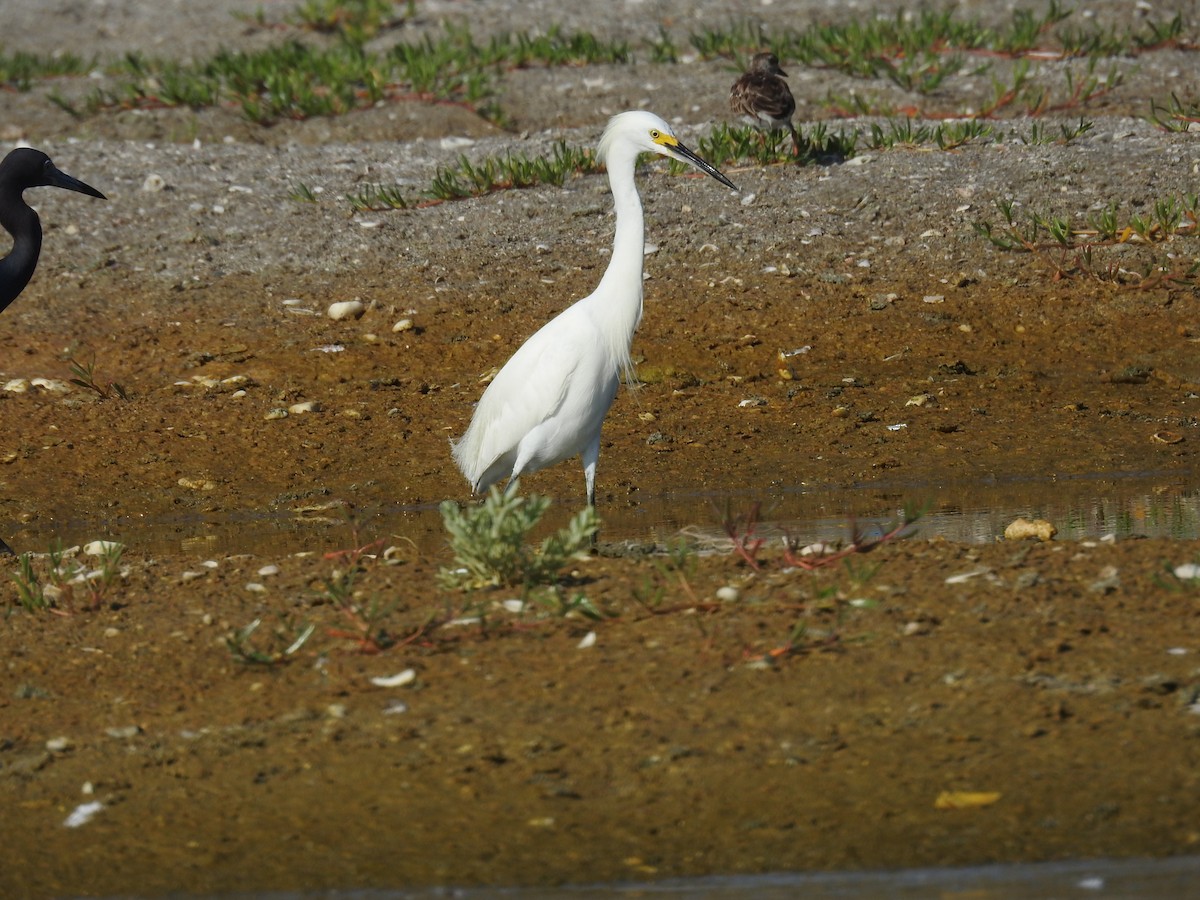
(528, 390)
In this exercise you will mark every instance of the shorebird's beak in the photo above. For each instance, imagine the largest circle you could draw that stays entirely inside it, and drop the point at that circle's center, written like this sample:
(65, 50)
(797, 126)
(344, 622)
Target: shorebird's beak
(679, 151)
(55, 177)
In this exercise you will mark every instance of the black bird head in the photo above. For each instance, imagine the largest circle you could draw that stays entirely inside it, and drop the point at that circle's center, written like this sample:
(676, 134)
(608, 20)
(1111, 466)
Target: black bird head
(26, 168)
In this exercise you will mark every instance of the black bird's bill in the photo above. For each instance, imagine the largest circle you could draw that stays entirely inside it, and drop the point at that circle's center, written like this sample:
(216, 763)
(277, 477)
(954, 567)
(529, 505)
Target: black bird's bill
(55, 177)
(683, 152)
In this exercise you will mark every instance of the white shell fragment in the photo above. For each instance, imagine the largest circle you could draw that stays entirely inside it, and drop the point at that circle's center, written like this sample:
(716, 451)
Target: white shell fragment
(1188, 570)
(403, 325)
(346, 309)
(307, 406)
(589, 640)
(964, 577)
(82, 814)
(408, 676)
(100, 548)
(1021, 528)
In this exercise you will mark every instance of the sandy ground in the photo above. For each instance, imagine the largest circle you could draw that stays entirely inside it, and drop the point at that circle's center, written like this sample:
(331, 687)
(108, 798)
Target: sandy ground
(727, 718)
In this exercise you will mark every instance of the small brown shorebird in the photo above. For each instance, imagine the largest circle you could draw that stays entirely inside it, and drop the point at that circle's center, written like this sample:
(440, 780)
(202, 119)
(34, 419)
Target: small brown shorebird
(763, 98)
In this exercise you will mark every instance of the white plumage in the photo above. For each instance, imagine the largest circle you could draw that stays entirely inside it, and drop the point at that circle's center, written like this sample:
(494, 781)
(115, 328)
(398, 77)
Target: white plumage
(549, 401)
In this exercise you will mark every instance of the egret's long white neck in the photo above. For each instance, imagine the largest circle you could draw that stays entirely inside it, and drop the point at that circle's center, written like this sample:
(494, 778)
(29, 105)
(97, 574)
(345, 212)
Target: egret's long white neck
(620, 290)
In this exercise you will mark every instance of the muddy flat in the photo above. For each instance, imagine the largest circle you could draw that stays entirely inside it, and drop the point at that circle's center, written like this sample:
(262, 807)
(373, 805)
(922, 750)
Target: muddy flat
(672, 705)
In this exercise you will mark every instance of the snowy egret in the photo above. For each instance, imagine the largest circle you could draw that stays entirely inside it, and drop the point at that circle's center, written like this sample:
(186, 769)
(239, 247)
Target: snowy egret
(25, 168)
(549, 400)
(763, 98)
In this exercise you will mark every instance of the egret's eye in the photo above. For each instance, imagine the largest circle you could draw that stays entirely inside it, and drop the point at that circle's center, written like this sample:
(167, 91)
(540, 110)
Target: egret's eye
(654, 134)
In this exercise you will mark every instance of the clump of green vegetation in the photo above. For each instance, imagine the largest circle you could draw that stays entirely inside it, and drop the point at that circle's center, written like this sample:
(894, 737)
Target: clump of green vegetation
(68, 583)
(1174, 115)
(473, 179)
(20, 70)
(1071, 249)
(735, 144)
(85, 377)
(909, 133)
(279, 646)
(491, 541)
(352, 20)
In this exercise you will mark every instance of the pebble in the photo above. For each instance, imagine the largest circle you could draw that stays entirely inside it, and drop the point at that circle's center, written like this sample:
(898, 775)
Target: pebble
(346, 309)
(59, 744)
(128, 731)
(408, 676)
(1188, 570)
(276, 413)
(255, 588)
(403, 325)
(1022, 528)
(196, 484)
(52, 385)
(266, 571)
(82, 814)
(100, 548)
(154, 183)
(16, 386)
(513, 605)
(297, 409)
(728, 594)
(589, 640)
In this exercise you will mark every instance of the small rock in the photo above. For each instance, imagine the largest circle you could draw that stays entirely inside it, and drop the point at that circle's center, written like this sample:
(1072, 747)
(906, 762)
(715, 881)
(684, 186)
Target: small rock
(297, 409)
(408, 676)
(59, 744)
(589, 640)
(1188, 570)
(728, 594)
(196, 484)
(128, 731)
(100, 548)
(266, 571)
(403, 325)
(154, 183)
(347, 309)
(82, 814)
(16, 386)
(255, 588)
(1021, 528)
(276, 413)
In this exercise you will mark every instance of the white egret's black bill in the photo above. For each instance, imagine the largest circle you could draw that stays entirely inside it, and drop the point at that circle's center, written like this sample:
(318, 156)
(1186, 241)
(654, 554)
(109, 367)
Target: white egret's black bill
(681, 150)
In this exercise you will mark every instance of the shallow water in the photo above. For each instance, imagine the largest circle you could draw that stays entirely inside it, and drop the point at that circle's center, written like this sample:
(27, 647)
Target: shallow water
(1164, 505)
(1136, 879)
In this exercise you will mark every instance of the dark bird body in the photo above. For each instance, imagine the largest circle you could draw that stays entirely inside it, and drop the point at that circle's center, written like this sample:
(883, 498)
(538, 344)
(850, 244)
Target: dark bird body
(25, 168)
(763, 98)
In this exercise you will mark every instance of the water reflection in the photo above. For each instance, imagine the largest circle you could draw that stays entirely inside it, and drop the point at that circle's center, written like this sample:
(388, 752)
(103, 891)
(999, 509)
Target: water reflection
(1081, 507)
(1130, 879)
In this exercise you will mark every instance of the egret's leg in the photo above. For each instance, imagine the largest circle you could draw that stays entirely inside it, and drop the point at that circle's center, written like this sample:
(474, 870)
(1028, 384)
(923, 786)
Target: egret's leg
(591, 456)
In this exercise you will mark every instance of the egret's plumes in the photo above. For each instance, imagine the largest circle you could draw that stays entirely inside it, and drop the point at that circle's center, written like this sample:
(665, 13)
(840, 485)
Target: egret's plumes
(25, 168)
(549, 401)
